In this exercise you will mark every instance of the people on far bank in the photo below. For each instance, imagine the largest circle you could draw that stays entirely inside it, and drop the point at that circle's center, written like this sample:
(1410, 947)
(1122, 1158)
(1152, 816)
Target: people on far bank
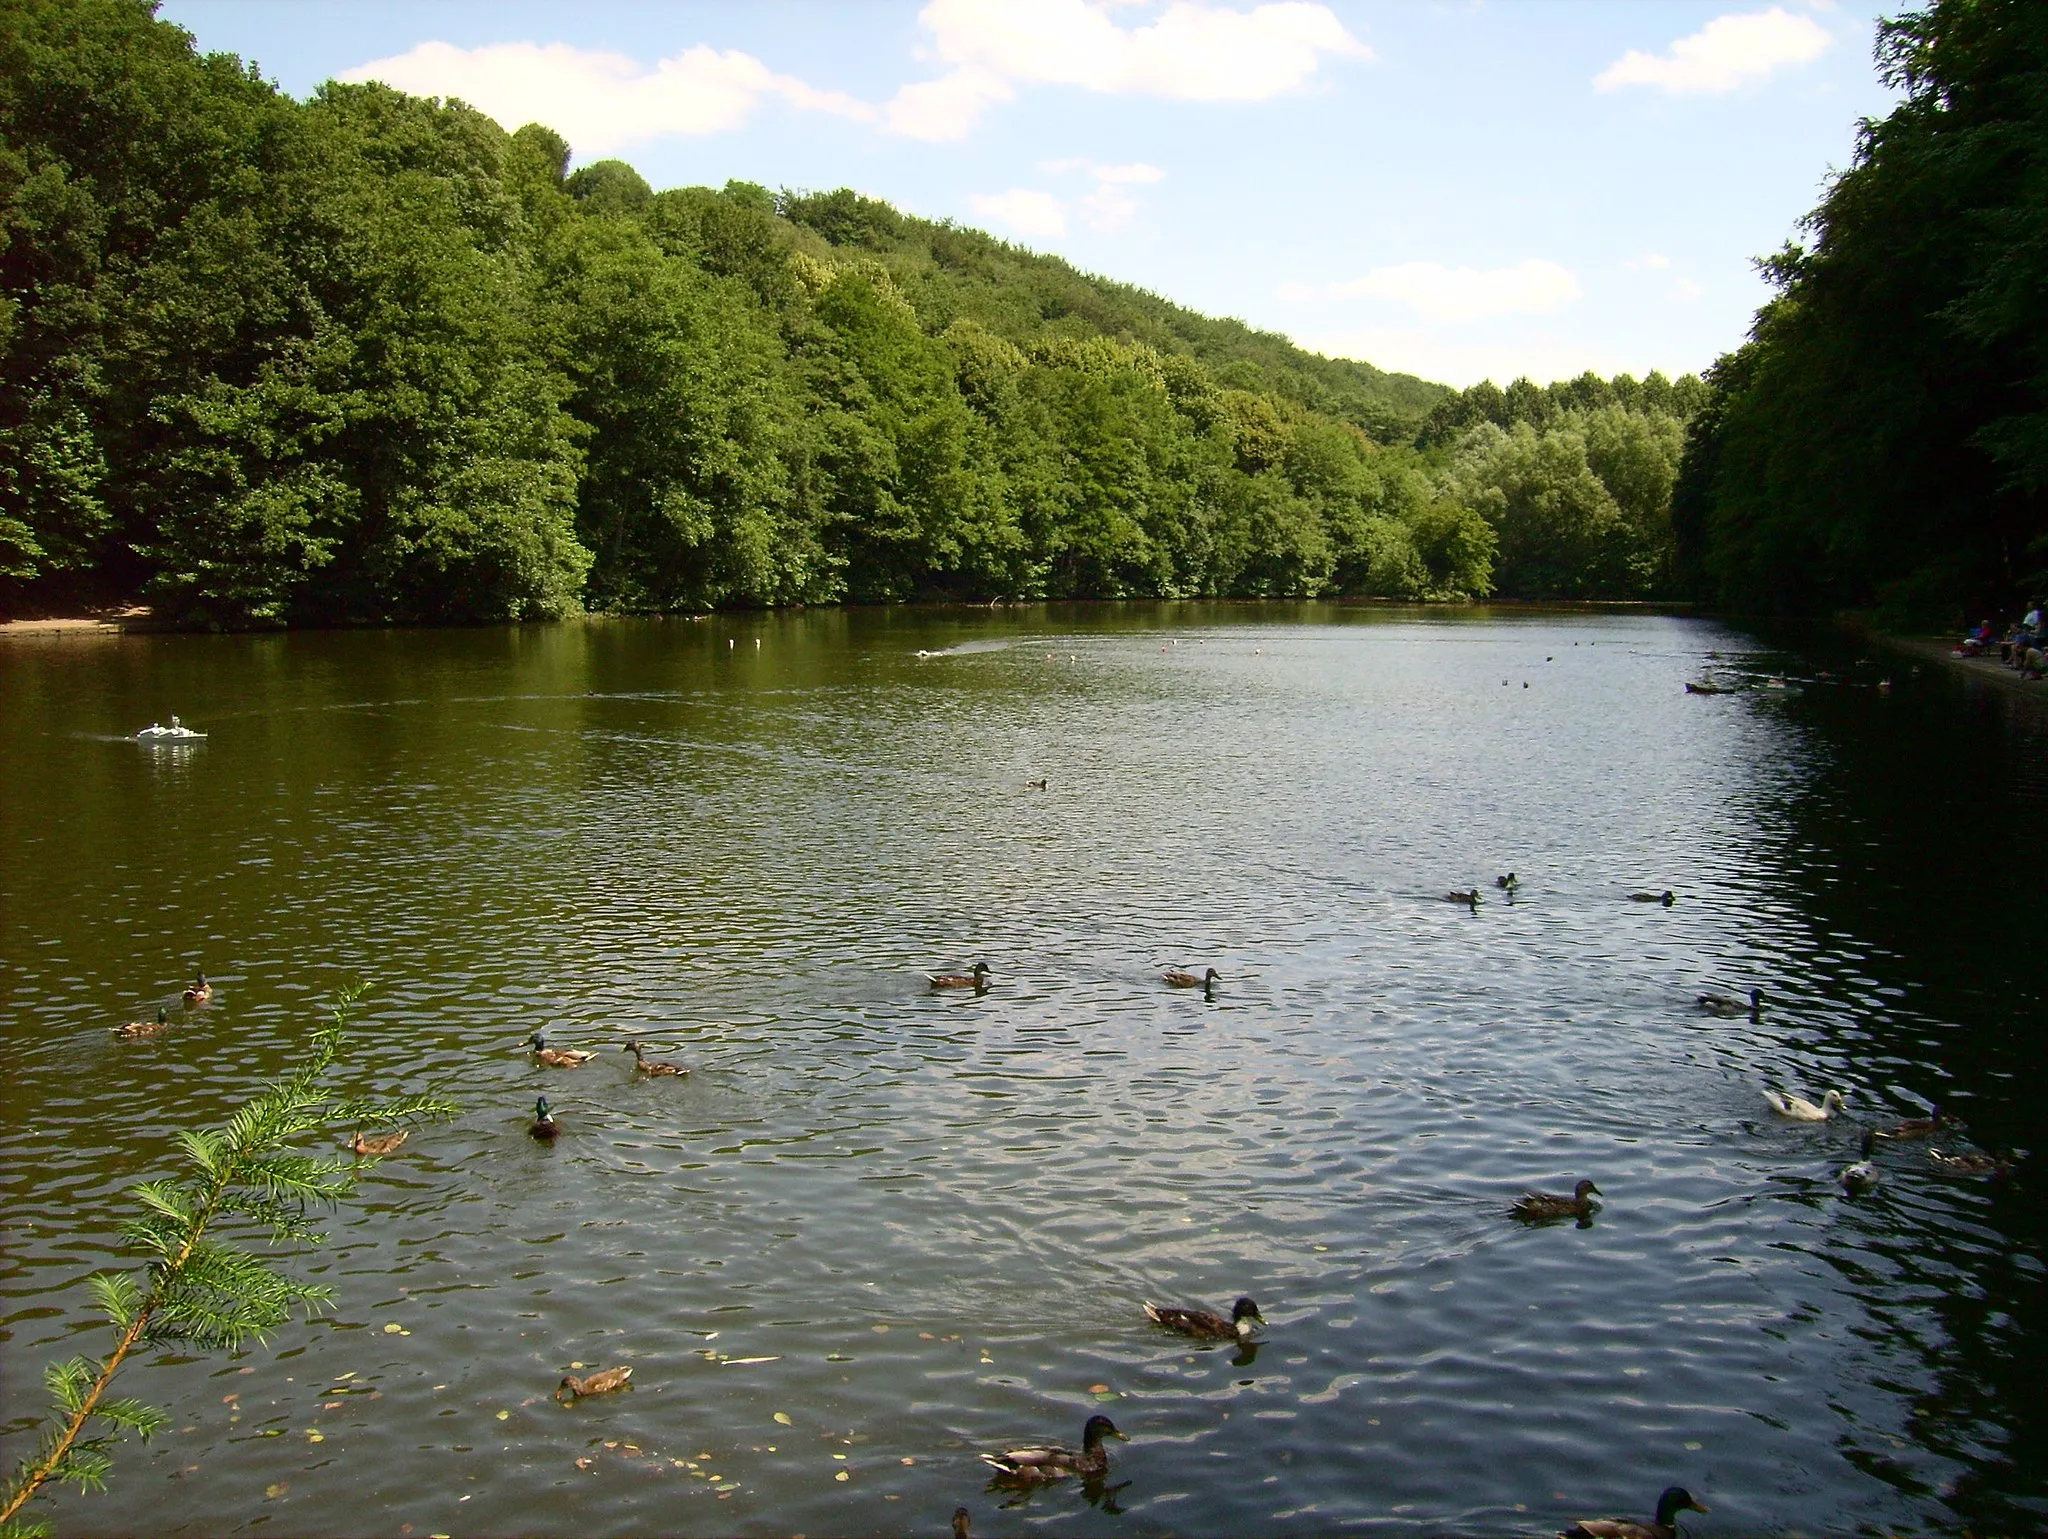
(2021, 647)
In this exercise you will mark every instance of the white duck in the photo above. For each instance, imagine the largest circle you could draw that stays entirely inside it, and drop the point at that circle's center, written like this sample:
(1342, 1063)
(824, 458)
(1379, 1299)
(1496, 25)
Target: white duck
(1799, 1109)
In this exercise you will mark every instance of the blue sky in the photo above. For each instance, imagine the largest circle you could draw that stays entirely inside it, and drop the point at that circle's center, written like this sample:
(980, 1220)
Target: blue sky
(1458, 190)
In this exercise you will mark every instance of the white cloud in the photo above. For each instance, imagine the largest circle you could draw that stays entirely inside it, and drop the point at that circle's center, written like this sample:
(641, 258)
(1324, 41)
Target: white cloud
(1192, 52)
(1440, 293)
(1136, 171)
(601, 101)
(1650, 259)
(946, 108)
(1022, 210)
(1686, 290)
(1110, 208)
(1541, 358)
(1727, 53)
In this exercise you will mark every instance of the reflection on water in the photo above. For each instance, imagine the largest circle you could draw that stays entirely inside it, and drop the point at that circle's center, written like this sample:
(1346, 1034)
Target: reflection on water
(878, 1228)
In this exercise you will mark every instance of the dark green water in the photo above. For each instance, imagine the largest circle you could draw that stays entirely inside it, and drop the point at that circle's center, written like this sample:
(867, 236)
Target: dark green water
(878, 1229)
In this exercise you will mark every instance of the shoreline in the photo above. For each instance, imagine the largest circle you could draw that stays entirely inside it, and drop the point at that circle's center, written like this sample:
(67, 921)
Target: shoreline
(1983, 670)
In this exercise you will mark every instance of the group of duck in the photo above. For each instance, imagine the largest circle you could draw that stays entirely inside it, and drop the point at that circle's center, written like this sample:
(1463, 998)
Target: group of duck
(198, 992)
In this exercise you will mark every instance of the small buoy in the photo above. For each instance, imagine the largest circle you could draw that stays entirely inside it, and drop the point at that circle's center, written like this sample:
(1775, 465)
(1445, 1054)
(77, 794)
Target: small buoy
(730, 643)
(757, 643)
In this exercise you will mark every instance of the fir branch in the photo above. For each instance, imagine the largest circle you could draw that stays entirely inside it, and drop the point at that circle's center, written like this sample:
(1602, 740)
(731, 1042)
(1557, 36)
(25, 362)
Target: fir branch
(203, 1290)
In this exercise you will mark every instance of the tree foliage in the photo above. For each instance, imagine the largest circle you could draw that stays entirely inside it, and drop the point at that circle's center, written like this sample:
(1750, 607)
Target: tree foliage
(204, 1287)
(1882, 438)
(370, 357)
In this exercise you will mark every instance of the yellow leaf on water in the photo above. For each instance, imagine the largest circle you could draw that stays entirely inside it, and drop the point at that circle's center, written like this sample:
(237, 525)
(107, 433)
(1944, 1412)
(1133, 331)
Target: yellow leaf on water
(392, 1327)
(783, 1417)
(504, 1416)
(1098, 1389)
(277, 1489)
(842, 1475)
(316, 1437)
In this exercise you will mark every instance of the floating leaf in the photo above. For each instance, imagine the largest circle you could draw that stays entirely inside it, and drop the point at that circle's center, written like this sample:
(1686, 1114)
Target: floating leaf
(393, 1328)
(584, 1464)
(504, 1416)
(1098, 1389)
(842, 1475)
(783, 1417)
(739, 1362)
(906, 1459)
(276, 1489)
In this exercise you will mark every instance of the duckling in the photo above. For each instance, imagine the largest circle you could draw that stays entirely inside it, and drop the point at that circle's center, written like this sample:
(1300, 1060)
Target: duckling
(558, 1057)
(1469, 899)
(1917, 1127)
(378, 1147)
(1971, 1163)
(1541, 1207)
(1056, 1463)
(1676, 1499)
(1799, 1109)
(198, 991)
(640, 1062)
(146, 1028)
(1862, 1177)
(602, 1382)
(1722, 1004)
(1177, 979)
(1667, 897)
(976, 980)
(545, 1128)
(1244, 1319)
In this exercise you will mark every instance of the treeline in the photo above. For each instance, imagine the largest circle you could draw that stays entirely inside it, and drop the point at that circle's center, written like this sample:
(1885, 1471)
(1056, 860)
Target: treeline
(1882, 438)
(372, 357)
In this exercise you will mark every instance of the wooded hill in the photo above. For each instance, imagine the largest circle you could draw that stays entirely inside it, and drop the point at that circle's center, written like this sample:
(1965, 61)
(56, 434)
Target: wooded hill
(371, 357)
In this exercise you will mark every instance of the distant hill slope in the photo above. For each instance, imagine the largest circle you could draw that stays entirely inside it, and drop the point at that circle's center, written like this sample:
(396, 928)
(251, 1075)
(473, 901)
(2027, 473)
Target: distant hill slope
(948, 273)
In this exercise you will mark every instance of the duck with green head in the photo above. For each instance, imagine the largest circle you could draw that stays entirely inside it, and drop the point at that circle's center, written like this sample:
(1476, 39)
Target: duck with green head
(544, 1127)
(1541, 1207)
(1244, 1319)
(976, 979)
(1676, 1499)
(1052, 1462)
(558, 1057)
(146, 1028)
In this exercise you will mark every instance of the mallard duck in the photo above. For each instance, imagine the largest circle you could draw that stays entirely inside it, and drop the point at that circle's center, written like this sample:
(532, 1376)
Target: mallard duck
(198, 991)
(1724, 1004)
(1799, 1109)
(1177, 979)
(1971, 1163)
(1666, 898)
(960, 1521)
(1507, 883)
(1676, 1499)
(1540, 1207)
(640, 1062)
(1244, 1319)
(976, 980)
(381, 1145)
(1040, 784)
(602, 1382)
(558, 1057)
(1917, 1127)
(1862, 1176)
(545, 1128)
(146, 1028)
(1057, 1463)
(1469, 899)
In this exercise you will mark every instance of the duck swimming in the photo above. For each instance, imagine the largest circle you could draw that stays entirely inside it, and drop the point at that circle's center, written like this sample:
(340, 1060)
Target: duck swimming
(602, 1382)
(657, 1068)
(1177, 979)
(1666, 898)
(1971, 1163)
(1469, 899)
(545, 1128)
(977, 979)
(1723, 1004)
(198, 991)
(1541, 1207)
(558, 1057)
(1676, 1499)
(1023, 1465)
(1917, 1127)
(1862, 1176)
(1799, 1109)
(146, 1028)
(1244, 1319)
(1507, 883)
(379, 1146)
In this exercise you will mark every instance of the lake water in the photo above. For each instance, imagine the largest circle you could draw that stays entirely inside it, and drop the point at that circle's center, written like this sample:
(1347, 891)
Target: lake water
(878, 1229)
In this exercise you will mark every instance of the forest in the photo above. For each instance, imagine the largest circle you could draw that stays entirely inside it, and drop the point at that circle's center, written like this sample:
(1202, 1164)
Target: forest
(1881, 440)
(372, 358)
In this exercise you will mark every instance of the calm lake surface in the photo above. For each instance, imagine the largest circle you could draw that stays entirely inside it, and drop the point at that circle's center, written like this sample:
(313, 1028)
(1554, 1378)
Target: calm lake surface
(878, 1229)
